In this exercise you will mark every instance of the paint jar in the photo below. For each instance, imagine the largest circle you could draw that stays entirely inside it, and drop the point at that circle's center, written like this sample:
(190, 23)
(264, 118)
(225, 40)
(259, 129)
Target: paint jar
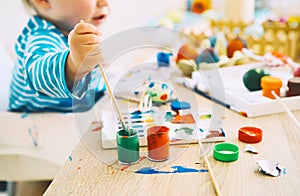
(163, 59)
(269, 84)
(158, 142)
(128, 146)
(294, 87)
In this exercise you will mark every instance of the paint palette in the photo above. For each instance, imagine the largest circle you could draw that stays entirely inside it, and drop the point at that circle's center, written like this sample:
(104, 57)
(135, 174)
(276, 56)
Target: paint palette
(234, 95)
(187, 127)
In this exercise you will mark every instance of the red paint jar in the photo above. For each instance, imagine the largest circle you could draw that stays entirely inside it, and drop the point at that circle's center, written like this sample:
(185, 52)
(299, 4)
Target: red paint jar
(158, 142)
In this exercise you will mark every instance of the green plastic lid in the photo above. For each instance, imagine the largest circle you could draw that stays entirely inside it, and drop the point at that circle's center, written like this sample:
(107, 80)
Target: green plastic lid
(226, 152)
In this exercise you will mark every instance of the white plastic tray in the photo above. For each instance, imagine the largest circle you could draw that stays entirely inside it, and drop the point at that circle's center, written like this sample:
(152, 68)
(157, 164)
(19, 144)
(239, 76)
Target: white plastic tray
(226, 86)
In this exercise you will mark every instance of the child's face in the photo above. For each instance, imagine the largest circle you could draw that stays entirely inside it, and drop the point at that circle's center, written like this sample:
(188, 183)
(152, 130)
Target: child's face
(67, 13)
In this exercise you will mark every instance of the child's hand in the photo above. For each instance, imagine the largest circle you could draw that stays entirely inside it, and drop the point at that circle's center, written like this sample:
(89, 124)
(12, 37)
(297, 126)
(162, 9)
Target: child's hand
(85, 51)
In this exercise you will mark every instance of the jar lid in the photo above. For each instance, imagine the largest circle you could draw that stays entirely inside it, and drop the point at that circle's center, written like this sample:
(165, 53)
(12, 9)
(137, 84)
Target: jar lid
(294, 86)
(294, 81)
(250, 134)
(270, 82)
(226, 152)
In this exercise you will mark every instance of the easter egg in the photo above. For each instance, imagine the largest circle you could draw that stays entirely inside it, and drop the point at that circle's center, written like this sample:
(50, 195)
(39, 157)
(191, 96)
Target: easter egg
(187, 51)
(187, 66)
(208, 55)
(159, 92)
(297, 72)
(252, 79)
(234, 45)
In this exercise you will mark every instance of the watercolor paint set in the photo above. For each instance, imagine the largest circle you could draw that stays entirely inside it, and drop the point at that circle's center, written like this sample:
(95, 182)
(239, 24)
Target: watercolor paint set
(234, 95)
(188, 127)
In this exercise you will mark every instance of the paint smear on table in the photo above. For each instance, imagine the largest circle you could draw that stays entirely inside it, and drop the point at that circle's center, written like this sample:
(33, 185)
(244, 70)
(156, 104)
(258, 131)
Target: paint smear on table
(177, 169)
(25, 115)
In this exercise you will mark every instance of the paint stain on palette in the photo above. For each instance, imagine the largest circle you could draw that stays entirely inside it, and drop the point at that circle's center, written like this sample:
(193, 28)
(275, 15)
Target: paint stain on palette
(185, 128)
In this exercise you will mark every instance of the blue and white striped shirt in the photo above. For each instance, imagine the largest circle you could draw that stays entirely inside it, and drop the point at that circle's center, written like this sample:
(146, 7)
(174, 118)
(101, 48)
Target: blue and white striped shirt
(38, 82)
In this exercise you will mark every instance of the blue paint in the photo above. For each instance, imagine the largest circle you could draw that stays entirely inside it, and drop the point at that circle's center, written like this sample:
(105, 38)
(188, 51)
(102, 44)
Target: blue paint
(223, 132)
(137, 126)
(25, 115)
(180, 105)
(177, 169)
(32, 137)
(150, 170)
(70, 158)
(163, 59)
(139, 112)
(164, 86)
(169, 116)
(136, 117)
(151, 85)
(180, 169)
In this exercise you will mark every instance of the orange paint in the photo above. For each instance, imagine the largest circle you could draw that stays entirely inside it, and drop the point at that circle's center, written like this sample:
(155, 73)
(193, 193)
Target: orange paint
(96, 129)
(183, 119)
(243, 114)
(164, 97)
(158, 143)
(125, 167)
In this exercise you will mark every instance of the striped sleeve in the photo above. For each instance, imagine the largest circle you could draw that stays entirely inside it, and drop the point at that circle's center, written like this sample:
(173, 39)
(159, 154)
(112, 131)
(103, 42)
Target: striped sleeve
(45, 60)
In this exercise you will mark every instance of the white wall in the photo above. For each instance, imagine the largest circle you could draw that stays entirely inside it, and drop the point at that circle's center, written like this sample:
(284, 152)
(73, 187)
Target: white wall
(124, 14)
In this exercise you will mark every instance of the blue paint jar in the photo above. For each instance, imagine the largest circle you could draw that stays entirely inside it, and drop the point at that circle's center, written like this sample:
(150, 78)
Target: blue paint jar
(163, 59)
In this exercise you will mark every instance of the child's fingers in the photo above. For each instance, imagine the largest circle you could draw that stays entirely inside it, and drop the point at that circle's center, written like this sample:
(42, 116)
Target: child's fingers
(86, 39)
(90, 39)
(86, 28)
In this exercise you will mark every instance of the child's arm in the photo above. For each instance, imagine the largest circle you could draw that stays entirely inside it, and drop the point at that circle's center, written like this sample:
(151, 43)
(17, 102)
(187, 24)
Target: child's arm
(85, 52)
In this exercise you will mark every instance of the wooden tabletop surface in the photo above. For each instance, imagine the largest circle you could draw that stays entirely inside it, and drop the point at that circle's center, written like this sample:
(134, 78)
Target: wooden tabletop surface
(94, 171)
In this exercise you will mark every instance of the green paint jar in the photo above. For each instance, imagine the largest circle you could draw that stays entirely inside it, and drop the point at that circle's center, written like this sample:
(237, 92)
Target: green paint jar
(128, 147)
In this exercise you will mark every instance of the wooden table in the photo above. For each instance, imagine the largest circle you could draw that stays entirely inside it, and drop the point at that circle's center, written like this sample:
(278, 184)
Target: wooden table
(93, 170)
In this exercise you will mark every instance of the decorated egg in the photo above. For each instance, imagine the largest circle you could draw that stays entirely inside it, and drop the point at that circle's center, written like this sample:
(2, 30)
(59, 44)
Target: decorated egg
(297, 72)
(159, 92)
(252, 79)
(208, 55)
(234, 45)
(187, 66)
(187, 51)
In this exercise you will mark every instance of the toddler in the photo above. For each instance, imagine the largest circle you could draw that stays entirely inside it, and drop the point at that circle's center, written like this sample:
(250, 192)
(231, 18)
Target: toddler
(57, 57)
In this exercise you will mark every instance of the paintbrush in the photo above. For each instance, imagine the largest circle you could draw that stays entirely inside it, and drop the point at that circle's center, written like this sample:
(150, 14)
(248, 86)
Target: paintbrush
(213, 179)
(287, 110)
(114, 100)
(112, 97)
